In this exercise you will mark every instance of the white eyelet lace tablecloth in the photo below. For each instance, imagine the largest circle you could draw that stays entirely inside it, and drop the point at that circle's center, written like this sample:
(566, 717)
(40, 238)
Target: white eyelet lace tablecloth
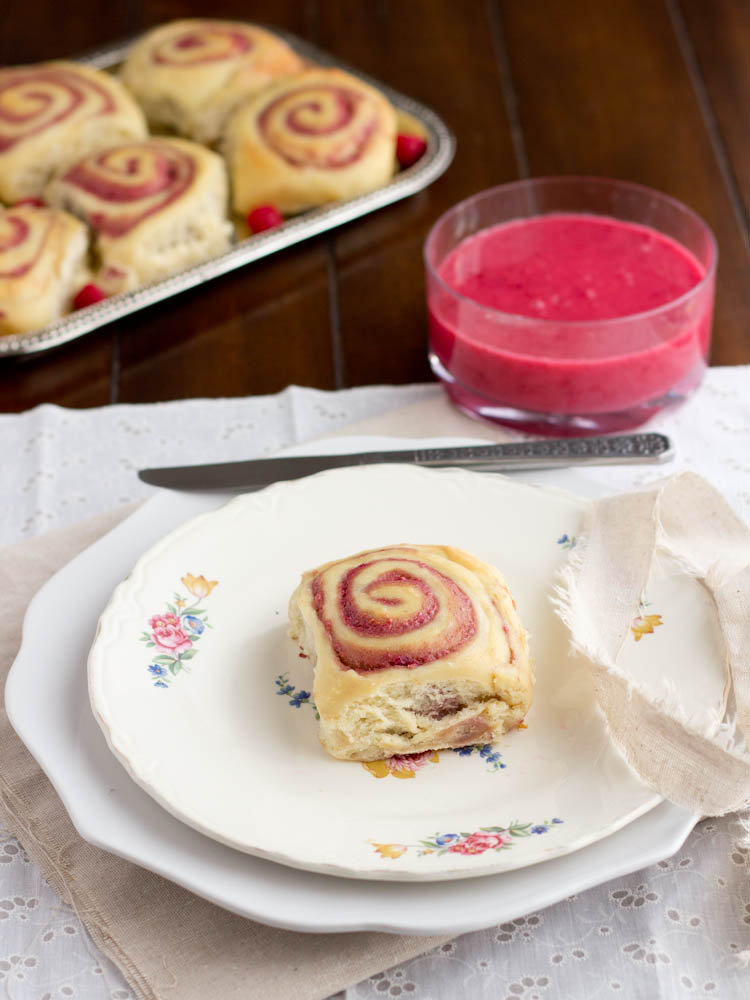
(673, 930)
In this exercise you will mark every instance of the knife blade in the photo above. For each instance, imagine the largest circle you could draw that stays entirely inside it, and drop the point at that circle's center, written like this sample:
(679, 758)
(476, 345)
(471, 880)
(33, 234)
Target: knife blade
(544, 454)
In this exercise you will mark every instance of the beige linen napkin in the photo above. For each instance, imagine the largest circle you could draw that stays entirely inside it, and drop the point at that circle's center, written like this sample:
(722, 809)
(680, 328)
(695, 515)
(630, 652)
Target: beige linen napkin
(166, 942)
(702, 766)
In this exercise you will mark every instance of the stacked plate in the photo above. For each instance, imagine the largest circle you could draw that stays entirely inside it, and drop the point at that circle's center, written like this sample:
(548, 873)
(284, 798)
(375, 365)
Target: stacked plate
(216, 779)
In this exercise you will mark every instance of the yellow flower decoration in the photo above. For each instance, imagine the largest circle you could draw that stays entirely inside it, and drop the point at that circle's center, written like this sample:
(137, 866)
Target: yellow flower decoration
(403, 773)
(389, 850)
(644, 624)
(377, 768)
(198, 586)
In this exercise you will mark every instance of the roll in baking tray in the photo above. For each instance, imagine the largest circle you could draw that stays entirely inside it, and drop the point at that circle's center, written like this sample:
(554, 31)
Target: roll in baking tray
(436, 159)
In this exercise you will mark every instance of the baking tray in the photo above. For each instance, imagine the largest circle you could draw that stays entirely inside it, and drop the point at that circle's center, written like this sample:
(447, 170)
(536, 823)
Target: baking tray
(436, 159)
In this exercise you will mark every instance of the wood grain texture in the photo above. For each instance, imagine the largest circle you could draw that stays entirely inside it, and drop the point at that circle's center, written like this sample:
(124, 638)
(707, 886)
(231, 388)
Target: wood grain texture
(654, 91)
(78, 374)
(424, 49)
(719, 33)
(33, 30)
(604, 89)
(253, 331)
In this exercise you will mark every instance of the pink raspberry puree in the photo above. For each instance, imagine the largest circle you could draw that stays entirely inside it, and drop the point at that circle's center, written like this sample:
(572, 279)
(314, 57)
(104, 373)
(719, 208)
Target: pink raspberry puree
(580, 274)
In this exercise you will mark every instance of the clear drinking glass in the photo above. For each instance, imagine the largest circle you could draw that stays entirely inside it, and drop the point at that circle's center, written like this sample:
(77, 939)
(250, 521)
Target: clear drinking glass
(569, 377)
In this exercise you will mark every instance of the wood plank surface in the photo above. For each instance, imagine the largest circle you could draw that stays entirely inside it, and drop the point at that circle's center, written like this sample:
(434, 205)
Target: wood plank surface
(719, 34)
(424, 49)
(77, 374)
(655, 91)
(603, 88)
(34, 30)
(253, 331)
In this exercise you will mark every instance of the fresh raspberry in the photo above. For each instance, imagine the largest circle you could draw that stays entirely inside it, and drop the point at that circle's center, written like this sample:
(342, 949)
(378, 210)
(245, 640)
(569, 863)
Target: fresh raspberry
(409, 149)
(87, 296)
(30, 201)
(264, 217)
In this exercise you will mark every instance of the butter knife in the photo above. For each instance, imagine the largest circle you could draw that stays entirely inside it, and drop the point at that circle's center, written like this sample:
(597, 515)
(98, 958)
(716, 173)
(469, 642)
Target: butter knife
(544, 454)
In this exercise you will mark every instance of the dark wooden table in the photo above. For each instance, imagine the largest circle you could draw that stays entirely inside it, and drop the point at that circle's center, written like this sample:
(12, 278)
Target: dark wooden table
(650, 91)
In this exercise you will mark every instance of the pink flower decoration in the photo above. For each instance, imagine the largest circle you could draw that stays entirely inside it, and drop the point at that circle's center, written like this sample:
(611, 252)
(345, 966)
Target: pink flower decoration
(167, 633)
(411, 761)
(478, 843)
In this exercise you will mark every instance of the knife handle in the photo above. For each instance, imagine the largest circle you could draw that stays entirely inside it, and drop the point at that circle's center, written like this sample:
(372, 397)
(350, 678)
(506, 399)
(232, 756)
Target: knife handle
(619, 449)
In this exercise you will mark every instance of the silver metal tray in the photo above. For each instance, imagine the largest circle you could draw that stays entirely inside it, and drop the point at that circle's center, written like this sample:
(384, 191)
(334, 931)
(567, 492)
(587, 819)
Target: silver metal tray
(436, 159)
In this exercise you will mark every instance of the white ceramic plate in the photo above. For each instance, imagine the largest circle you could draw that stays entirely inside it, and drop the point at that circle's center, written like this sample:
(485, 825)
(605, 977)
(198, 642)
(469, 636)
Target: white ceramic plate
(113, 813)
(204, 699)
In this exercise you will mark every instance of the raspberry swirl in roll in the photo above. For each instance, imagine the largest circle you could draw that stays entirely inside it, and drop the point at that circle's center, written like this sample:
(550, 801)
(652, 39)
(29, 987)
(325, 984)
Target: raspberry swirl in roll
(42, 263)
(125, 185)
(156, 207)
(319, 125)
(38, 98)
(23, 236)
(318, 137)
(202, 42)
(53, 113)
(392, 612)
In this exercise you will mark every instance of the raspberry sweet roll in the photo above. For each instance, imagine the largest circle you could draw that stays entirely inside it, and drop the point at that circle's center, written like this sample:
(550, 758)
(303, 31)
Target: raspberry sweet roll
(319, 137)
(52, 114)
(43, 255)
(416, 647)
(190, 75)
(156, 208)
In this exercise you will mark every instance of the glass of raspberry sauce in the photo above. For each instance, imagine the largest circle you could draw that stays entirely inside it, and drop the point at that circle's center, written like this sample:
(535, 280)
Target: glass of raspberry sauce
(569, 305)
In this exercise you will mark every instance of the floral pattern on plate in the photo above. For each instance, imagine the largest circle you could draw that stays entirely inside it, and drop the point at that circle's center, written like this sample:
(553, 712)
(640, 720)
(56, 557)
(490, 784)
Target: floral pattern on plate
(295, 696)
(644, 624)
(486, 838)
(486, 752)
(400, 765)
(175, 632)
(567, 541)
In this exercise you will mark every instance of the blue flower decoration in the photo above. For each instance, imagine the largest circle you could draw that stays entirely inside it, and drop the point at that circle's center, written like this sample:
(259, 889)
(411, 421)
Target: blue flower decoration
(160, 684)
(539, 829)
(446, 838)
(562, 539)
(464, 751)
(157, 670)
(193, 624)
(300, 698)
(491, 756)
(558, 820)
